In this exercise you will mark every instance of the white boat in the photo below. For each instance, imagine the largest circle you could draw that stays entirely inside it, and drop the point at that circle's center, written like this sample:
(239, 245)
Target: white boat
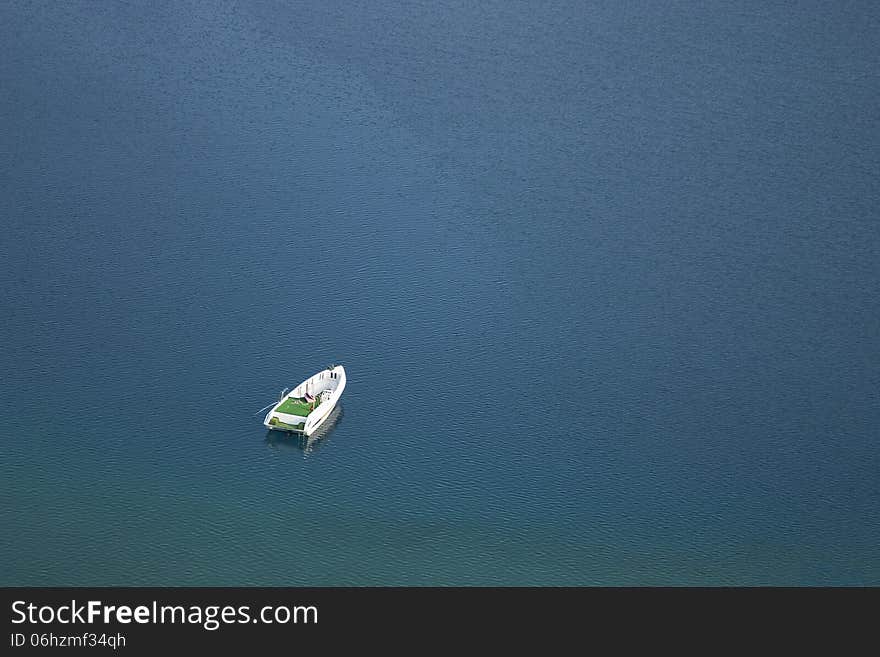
(306, 407)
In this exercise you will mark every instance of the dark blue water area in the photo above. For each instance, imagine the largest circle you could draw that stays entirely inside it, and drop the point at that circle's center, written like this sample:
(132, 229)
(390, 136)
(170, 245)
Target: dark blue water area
(605, 278)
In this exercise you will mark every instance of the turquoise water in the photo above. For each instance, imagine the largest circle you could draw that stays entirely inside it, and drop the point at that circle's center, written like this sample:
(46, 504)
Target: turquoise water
(604, 278)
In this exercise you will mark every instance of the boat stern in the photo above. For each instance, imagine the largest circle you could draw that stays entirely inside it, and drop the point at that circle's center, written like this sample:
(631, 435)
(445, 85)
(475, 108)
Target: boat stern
(285, 422)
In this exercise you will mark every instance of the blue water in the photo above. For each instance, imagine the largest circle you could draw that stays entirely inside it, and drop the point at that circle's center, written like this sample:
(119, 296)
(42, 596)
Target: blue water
(605, 278)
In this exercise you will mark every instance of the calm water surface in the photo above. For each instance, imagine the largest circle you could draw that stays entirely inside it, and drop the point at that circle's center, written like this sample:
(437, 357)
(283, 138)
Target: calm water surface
(604, 277)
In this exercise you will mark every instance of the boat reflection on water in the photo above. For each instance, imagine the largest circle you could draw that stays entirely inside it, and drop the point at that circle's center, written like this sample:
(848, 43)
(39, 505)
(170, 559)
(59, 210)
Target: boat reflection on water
(279, 440)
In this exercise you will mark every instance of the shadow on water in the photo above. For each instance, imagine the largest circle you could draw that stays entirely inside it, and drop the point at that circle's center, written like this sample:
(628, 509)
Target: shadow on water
(279, 440)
